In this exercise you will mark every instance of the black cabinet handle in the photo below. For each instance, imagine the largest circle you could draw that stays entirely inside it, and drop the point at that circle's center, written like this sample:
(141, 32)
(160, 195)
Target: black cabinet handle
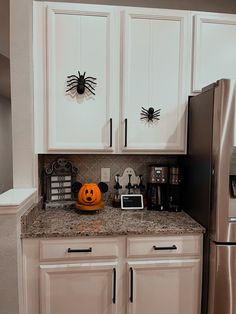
(79, 250)
(173, 247)
(126, 132)
(131, 298)
(110, 132)
(114, 286)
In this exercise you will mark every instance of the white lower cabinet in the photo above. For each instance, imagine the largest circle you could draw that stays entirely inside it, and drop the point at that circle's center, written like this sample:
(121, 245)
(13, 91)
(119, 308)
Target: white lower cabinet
(116, 275)
(78, 288)
(164, 286)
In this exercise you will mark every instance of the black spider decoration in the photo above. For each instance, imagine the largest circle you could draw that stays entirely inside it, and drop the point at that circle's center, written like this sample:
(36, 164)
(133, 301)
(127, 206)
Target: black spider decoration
(150, 114)
(80, 83)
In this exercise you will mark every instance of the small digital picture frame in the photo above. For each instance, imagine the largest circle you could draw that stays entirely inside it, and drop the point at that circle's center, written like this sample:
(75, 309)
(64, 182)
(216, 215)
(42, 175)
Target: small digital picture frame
(131, 201)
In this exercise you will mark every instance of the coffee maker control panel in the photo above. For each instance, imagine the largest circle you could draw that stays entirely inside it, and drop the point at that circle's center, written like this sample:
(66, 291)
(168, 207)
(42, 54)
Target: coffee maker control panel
(158, 175)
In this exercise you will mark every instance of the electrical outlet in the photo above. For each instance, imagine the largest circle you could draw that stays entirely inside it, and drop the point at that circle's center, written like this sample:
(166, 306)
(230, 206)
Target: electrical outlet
(105, 174)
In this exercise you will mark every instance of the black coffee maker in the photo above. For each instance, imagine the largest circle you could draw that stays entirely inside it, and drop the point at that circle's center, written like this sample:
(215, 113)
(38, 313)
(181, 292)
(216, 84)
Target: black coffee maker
(157, 188)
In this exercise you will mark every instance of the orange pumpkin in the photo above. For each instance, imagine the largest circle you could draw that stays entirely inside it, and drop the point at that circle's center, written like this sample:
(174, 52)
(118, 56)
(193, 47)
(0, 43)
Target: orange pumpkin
(89, 194)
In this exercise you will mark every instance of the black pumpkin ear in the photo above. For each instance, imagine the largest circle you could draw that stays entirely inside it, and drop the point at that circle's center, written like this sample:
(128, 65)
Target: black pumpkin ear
(76, 186)
(103, 187)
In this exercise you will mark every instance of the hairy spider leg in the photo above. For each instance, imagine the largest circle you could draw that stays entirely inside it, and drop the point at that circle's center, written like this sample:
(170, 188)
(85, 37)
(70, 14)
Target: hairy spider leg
(156, 115)
(73, 79)
(71, 84)
(72, 76)
(144, 113)
(79, 73)
(144, 110)
(71, 88)
(157, 111)
(89, 89)
(90, 81)
(90, 77)
(87, 84)
(144, 118)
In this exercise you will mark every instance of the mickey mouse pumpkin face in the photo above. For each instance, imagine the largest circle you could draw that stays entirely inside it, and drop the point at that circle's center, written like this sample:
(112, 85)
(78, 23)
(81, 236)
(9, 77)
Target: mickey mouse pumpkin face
(89, 194)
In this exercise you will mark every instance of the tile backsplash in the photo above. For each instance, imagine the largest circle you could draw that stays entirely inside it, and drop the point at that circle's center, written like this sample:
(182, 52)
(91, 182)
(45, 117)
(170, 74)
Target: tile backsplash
(89, 166)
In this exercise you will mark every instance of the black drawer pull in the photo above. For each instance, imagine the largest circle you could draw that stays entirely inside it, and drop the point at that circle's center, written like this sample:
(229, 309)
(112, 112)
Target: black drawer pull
(114, 286)
(79, 250)
(173, 247)
(131, 298)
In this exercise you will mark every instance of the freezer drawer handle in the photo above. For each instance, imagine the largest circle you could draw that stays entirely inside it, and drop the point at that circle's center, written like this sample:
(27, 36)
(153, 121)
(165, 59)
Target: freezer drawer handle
(79, 250)
(158, 248)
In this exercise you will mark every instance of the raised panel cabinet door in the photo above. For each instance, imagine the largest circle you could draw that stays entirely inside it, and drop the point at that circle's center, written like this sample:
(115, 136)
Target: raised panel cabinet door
(164, 286)
(80, 38)
(156, 51)
(78, 288)
(214, 49)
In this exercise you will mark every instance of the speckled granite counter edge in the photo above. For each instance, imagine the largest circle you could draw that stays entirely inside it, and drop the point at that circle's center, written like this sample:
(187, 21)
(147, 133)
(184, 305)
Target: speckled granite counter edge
(108, 234)
(68, 224)
(29, 216)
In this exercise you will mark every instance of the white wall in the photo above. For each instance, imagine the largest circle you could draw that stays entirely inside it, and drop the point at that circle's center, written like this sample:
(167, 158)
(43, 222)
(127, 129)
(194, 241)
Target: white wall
(5, 145)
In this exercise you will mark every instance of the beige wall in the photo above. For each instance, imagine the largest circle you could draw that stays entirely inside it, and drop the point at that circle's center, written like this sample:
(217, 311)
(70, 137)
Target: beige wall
(22, 92)
(4, 27)
(5, 145)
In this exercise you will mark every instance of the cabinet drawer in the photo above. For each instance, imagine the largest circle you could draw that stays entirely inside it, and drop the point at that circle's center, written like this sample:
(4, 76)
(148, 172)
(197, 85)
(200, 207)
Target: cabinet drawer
(163, 246)
(78, 249)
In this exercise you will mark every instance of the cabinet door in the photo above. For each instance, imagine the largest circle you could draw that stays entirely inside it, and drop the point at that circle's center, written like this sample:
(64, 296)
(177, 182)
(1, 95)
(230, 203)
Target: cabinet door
(78, 288)
(80, 38)
(166, 287)
(156, 53)
(214, 49)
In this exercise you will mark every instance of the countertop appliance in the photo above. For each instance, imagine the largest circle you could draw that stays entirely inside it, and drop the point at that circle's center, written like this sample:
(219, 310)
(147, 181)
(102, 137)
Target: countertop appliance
(174, 189)
(157, 187)
(209, 190)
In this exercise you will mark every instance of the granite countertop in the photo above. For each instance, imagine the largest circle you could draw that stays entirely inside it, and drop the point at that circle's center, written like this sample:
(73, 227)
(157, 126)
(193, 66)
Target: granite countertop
(110, 221)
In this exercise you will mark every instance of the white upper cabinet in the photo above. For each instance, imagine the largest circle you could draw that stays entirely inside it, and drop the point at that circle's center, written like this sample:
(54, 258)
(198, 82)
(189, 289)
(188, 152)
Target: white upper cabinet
(156, 59)
(139, 57)
(81, 38)
(214, 48)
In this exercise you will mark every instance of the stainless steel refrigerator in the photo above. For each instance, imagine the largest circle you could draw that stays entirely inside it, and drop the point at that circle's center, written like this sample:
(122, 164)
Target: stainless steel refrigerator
(210, 190)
